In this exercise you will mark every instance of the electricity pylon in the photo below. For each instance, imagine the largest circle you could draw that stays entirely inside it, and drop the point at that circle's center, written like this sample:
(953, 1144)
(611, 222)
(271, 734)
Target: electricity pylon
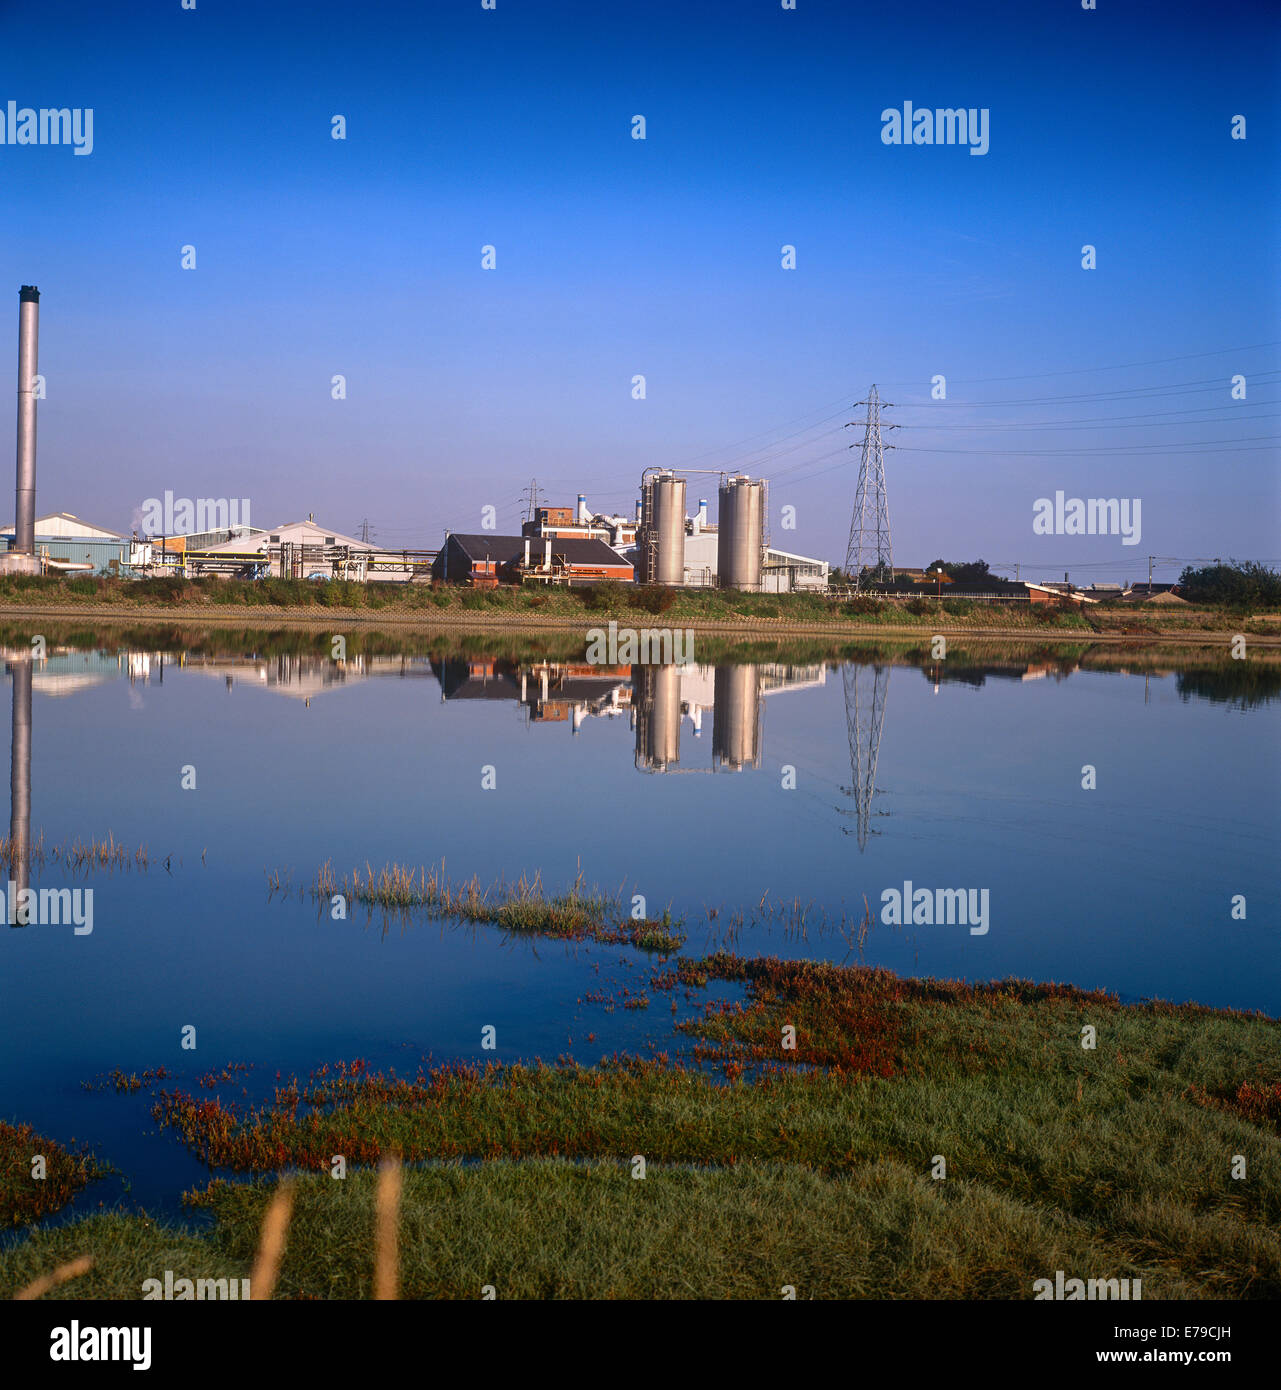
(870, 547)
(864, 719)
(532, 492)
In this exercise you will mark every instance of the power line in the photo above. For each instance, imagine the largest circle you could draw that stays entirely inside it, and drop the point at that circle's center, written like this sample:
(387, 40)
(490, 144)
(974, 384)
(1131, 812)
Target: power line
(1138, 450)
(1119, 367)
(685, 463)
(1115, 420)
(1198, 386)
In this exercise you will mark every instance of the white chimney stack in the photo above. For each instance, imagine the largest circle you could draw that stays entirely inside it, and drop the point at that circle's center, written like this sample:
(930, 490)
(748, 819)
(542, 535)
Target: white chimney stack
(24, 524)
(582, 510)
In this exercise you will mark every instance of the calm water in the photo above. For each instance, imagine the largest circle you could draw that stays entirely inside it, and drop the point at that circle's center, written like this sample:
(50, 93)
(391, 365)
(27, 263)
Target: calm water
(676, 784)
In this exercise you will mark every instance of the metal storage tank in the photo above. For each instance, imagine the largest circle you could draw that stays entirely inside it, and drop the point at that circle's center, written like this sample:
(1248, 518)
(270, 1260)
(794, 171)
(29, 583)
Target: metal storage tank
(663, 547)
(736, 717)
(656, 698)
(741, 538)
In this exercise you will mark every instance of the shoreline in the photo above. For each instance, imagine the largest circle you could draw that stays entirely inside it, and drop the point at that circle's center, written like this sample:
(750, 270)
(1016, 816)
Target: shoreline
(831, 1144)
(321, 619)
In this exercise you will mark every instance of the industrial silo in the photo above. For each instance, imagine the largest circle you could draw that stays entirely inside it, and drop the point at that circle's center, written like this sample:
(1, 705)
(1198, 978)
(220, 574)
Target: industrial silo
(736, 717)
(662, 542)
(740, 541)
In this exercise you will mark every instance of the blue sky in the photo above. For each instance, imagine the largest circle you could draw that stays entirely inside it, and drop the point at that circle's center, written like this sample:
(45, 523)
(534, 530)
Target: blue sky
(616, 257)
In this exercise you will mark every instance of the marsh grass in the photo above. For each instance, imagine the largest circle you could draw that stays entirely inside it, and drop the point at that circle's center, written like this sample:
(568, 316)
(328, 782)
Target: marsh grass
(81, 856)
(548, 1229)
(523, 907)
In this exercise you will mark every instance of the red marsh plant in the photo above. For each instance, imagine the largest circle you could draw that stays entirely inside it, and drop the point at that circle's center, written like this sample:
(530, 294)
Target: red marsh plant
(25, 1198)
(849, 1020)
(118, 1080)
(1258, 1102)
(845, 1018)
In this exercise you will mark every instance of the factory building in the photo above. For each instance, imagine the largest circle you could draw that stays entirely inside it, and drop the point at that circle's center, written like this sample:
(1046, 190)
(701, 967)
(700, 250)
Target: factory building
(164, 546)
(302, 677)
(305, 550)
(784, 572)
(580, 523)
(485, 560)
(550, 692)
(292, 551)
(65, 543)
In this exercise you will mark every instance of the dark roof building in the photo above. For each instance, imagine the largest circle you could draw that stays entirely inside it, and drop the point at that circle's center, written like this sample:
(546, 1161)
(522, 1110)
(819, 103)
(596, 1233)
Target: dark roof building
(468, 558)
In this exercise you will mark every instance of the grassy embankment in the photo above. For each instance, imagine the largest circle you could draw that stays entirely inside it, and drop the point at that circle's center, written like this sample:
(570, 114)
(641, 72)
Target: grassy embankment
(424, 605)
(765, 1166)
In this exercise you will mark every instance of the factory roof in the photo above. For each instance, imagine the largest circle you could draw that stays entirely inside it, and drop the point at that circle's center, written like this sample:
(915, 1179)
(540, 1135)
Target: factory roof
(312, 534)
(508, 549)
(68, 524)
(1061, 590)
(790, 555)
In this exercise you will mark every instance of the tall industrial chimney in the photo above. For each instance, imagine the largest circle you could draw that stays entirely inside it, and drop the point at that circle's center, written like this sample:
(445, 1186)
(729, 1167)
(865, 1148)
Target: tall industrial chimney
(28, 343)
(22, 557)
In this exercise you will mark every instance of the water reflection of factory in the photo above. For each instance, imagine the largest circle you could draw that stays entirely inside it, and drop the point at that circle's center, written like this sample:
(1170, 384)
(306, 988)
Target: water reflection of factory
(67, 671)
(549, 692)
(977, 674)
(657, 700)
(304, 676)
